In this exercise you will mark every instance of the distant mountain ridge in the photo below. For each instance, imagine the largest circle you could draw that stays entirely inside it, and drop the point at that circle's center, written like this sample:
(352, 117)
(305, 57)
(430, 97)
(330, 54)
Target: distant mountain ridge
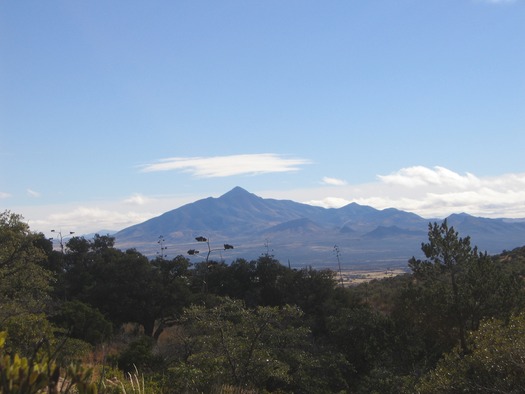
(305, 234)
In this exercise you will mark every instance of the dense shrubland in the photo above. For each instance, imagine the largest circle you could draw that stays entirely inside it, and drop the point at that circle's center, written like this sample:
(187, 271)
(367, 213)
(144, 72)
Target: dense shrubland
(98, 319)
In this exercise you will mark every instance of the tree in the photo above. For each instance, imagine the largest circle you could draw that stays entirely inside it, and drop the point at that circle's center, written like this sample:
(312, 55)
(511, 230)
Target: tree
(171, 279)
(362, 336)
(266, 348)
(22, 276)
(83, 322)
(457, 286)
(78, 269)
(268, 279)
(126, 286)
(314, 291)
(239, 283)
(24, 283)
(495, 364)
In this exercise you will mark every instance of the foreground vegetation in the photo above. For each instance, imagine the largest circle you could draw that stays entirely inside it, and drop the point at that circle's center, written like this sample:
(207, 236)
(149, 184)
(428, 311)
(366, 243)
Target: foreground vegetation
(97, 319)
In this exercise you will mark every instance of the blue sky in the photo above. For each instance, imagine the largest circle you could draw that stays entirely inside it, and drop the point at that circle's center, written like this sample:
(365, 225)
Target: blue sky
(114, 112)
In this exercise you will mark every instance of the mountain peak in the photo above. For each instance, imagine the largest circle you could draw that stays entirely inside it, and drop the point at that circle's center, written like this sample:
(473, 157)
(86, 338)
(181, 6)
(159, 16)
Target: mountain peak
(306, 233)
(460, 215)
(236, 191)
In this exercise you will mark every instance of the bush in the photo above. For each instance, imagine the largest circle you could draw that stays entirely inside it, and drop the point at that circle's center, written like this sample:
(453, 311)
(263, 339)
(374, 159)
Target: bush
(28, 376)
(139, 354)
(83, 322)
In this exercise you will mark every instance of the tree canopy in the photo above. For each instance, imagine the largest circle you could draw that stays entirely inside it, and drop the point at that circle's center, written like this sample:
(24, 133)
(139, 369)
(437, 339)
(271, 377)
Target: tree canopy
(452, 323)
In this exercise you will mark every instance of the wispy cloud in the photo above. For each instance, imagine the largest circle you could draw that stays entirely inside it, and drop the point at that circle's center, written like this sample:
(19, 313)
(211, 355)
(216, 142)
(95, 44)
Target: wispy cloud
(32, 193)
(4, 195)
(333, 181)
(224, 166)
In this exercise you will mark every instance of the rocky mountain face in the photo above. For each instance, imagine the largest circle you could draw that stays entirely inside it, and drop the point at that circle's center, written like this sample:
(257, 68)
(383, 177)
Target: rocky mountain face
(304, 235)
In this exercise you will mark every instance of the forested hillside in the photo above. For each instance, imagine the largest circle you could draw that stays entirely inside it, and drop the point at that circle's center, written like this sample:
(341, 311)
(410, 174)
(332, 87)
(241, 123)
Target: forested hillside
(86, 316)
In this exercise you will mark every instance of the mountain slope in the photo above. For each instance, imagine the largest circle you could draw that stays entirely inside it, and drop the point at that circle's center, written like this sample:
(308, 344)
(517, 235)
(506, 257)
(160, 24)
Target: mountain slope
(306, 235)
(234, 213)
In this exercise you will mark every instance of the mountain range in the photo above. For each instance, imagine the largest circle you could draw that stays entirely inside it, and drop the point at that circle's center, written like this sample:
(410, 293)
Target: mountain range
(304, 235)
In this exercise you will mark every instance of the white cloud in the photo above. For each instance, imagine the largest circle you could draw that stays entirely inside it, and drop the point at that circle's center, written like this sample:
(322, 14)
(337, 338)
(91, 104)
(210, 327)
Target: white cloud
(429, 192)
(333, 181)
(32, 193)
(90, 217)
(137, 199)
(433, 192)
(223, 166)
(4, 195)
(418, 176)
(330, 202)
(84, 219)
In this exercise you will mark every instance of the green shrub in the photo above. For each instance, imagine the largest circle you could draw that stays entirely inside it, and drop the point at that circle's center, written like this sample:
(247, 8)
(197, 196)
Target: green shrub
(21, 375)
